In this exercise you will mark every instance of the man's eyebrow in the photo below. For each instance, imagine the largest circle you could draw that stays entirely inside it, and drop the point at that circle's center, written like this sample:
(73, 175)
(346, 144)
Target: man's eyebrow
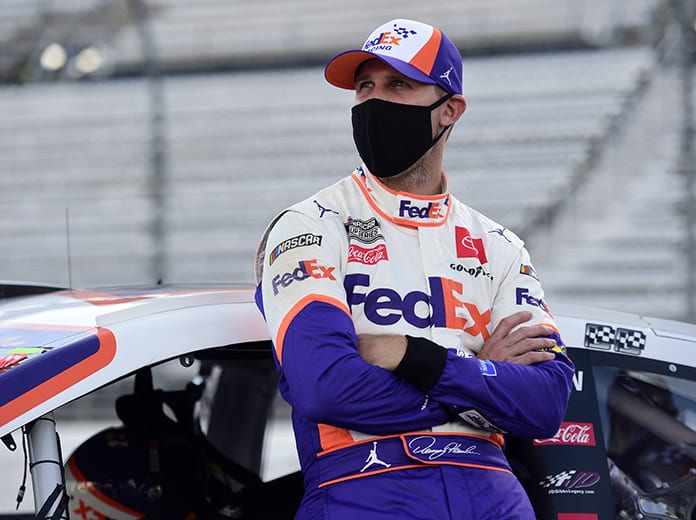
(390, 77)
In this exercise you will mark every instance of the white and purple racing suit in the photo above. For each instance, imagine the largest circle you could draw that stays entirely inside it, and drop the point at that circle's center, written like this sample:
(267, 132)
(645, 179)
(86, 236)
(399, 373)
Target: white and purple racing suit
(424, 441)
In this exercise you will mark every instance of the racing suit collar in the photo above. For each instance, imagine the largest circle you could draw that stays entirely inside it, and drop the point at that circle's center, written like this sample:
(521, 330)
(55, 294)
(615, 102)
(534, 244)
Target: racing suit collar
(404, 208)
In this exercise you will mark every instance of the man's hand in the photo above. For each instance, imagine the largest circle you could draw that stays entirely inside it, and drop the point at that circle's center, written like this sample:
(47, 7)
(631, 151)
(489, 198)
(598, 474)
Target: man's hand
(383, 350)
(519, 346)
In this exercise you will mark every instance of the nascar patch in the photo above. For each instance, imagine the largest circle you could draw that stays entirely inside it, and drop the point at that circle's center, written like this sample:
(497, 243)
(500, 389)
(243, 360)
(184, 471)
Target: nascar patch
(306, 239)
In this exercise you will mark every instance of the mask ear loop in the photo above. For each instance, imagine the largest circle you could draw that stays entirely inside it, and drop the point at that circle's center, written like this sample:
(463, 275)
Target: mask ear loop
(432, 107)
(440, 101)
(440, 135)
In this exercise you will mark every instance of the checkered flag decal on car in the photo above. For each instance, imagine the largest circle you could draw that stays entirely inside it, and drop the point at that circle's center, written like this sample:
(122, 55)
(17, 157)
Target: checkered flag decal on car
(557, 480)
(631, 341)
(605, 337)
(599, 336)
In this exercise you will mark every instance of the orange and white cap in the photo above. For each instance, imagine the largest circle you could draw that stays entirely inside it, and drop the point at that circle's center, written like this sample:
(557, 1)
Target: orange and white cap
(417, 50)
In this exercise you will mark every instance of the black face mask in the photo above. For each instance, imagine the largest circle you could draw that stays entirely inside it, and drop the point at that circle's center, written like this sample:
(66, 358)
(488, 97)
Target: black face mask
(391, 137)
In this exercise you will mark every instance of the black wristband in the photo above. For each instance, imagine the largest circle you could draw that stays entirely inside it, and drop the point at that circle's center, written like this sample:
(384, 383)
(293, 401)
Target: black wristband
(422, 364)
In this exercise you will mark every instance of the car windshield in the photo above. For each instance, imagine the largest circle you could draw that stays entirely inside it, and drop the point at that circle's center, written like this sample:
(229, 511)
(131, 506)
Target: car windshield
(649, 425)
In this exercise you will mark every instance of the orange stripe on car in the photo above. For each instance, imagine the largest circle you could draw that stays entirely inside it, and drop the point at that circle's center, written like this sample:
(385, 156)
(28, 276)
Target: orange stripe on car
(64, 380)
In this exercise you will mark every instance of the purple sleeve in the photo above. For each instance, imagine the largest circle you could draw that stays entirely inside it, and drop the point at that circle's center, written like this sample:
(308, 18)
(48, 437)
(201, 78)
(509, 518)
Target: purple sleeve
(524, 400)
(327, 381)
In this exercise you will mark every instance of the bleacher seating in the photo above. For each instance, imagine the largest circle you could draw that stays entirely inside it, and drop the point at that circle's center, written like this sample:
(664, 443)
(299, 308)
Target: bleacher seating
(250, 33)
(223, 34)
(620, 243)
(74, 158)
(241, 146)
(78, 202)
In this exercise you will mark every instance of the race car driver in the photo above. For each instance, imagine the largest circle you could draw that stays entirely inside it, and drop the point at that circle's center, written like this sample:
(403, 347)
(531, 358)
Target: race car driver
(410, 331)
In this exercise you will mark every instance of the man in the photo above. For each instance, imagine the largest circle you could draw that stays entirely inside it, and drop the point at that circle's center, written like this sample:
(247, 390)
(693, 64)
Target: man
(410, 331)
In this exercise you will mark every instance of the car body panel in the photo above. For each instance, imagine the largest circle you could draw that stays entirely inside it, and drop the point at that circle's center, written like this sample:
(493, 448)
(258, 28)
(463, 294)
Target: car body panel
(59, 346)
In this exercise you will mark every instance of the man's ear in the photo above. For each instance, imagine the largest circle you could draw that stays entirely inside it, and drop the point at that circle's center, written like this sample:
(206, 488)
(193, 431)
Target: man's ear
(453, 110)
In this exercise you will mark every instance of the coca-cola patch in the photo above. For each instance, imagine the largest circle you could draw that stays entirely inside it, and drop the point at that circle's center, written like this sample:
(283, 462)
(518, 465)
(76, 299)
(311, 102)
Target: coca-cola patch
(571, 434)
(367, 256)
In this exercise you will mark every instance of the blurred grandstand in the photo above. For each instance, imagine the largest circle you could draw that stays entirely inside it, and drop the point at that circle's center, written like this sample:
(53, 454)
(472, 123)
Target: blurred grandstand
(153, 140)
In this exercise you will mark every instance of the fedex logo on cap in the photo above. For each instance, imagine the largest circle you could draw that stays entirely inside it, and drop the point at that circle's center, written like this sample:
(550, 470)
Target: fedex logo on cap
(385, 38)
(388, 38)
(395, 36)
(417, 50)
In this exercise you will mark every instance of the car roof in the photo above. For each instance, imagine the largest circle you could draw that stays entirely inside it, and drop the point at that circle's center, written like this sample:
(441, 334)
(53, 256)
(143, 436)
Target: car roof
(59, 346)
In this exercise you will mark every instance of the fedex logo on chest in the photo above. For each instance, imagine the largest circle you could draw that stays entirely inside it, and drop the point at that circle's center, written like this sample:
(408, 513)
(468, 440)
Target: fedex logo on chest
(441, 307)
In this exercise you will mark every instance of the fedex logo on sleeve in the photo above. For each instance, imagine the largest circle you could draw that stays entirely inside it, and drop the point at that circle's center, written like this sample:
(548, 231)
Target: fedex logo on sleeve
(523, 297)
(305, 269)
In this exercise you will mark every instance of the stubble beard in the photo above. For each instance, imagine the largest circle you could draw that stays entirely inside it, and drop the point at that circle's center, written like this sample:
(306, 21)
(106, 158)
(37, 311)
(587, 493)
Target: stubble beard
(419, 177)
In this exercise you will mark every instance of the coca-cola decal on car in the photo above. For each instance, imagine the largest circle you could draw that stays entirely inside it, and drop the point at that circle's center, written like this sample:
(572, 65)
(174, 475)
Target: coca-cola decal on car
(571, 434)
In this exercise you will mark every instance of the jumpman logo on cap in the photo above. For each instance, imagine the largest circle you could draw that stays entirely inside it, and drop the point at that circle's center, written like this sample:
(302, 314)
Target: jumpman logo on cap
(446, 75)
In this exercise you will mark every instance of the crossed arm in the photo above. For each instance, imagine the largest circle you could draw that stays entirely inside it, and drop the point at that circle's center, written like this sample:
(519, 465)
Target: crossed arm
(520, 346)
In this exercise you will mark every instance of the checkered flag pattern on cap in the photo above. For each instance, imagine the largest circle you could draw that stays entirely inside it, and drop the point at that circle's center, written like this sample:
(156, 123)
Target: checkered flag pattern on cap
(417, 50)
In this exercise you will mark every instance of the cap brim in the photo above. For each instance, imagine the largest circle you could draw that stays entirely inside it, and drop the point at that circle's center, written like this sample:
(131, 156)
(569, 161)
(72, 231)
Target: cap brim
(340, 71)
